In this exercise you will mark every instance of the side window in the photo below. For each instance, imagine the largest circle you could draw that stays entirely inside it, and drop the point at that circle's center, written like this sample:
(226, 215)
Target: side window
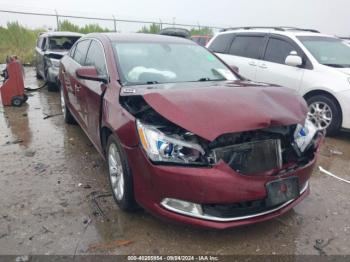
(277, 50)
(221, 43)
(95, 57)
(247, 46)
(43, 44)
(80, 51)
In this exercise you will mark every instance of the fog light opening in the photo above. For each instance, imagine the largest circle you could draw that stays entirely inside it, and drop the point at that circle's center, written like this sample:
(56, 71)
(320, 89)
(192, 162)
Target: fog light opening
(181, 206)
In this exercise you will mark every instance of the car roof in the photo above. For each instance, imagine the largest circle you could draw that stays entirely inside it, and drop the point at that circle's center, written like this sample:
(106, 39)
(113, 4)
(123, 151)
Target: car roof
(287, 32)
(140, 37)
(61, 33)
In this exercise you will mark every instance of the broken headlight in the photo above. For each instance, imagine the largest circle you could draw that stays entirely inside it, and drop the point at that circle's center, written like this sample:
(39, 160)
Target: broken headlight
(164, 148)
(304, 135)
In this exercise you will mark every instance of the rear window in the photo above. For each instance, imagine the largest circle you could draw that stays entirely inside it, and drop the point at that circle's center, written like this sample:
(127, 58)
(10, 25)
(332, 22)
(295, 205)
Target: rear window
(62, 42)
(247, 46)
(221, 43)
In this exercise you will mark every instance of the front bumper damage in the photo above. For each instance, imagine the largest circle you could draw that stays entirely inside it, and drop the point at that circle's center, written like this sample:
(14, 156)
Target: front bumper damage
(52, 75)
(224, 196)
(236, 171)
(219, 185)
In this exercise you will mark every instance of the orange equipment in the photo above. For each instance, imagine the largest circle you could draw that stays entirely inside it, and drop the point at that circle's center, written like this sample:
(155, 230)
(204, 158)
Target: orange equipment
(12, 90)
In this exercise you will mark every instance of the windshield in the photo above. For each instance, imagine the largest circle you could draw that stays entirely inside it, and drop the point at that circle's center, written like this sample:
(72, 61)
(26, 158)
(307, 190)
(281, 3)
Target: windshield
(328, 50)
(62, 42)
(153, 63)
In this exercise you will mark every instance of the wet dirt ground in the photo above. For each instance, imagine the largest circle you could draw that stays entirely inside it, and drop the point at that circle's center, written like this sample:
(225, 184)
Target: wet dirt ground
(49, 172)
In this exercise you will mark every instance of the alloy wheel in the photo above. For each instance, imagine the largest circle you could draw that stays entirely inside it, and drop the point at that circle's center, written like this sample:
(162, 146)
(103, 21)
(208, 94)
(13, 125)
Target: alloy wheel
(116, 172)
(320, 114)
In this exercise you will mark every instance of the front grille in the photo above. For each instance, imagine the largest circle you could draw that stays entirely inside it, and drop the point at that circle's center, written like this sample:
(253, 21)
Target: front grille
(241, 209)
(259, 151)
(235, 210)
(252, 157)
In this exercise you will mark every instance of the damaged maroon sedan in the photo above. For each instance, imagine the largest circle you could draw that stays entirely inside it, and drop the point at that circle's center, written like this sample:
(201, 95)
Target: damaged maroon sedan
(184, 136)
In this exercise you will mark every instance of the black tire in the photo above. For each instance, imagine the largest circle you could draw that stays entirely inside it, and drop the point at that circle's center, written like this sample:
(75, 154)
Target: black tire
(17, 101)
(127, 202)
(67, 115)
(336, 121)
(52, 87)
(38, 76)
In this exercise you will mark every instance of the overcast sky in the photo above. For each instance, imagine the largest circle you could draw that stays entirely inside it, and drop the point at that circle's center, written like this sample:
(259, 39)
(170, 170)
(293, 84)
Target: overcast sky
(328, 16)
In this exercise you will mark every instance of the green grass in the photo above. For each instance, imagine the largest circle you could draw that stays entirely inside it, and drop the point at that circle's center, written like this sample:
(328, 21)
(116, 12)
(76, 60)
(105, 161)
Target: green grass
(16, 39)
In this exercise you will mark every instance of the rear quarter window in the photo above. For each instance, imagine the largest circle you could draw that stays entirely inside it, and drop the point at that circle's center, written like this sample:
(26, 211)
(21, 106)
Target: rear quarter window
(221, 43)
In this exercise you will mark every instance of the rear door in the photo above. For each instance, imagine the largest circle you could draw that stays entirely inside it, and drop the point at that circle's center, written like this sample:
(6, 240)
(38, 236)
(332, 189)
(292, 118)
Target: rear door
(75, 91)
(272, 69)
(245, 53)
(93, 90)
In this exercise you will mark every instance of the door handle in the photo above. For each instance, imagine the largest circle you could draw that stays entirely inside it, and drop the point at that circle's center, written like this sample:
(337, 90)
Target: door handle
(252, 63)
(263, 66)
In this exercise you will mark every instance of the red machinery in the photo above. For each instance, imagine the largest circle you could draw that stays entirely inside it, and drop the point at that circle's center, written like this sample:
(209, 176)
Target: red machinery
(12, 90)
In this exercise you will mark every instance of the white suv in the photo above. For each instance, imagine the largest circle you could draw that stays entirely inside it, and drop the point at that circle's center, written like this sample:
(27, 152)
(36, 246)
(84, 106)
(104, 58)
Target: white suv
(315, 65)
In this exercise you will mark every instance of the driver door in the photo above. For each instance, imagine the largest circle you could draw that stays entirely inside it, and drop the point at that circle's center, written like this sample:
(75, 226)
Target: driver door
(93, 90)
(272, 68)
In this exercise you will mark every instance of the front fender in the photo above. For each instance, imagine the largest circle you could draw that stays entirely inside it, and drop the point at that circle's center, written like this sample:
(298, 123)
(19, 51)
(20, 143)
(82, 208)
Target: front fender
(117, 119)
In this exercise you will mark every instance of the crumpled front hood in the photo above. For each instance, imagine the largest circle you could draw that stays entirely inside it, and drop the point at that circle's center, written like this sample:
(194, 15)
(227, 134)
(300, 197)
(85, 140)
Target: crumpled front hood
(211, 109)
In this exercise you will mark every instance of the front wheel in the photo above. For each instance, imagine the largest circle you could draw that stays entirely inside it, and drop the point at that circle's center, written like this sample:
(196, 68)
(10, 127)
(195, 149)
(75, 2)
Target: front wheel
(325, 113)
(67, 115)
(120, 177)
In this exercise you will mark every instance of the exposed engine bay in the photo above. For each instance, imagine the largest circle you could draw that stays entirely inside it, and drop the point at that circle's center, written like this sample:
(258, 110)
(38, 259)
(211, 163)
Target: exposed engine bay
(276, 149)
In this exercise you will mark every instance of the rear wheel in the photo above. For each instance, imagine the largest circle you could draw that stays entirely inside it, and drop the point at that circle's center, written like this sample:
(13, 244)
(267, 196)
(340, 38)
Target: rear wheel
(325, 113)
(120, 177)
(68, 117)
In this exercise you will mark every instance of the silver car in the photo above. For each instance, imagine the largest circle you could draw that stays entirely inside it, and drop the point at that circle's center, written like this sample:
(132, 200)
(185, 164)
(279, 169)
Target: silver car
(50, 48)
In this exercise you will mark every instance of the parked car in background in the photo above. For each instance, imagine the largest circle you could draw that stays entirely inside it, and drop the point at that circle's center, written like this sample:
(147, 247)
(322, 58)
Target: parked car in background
(184, 136)
(202, 40)
(50, 48)
(315, 65)
(176, 31)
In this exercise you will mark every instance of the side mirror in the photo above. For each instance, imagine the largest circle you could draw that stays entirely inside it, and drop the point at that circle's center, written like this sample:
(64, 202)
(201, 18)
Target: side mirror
(293, 60)
(90, 73)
